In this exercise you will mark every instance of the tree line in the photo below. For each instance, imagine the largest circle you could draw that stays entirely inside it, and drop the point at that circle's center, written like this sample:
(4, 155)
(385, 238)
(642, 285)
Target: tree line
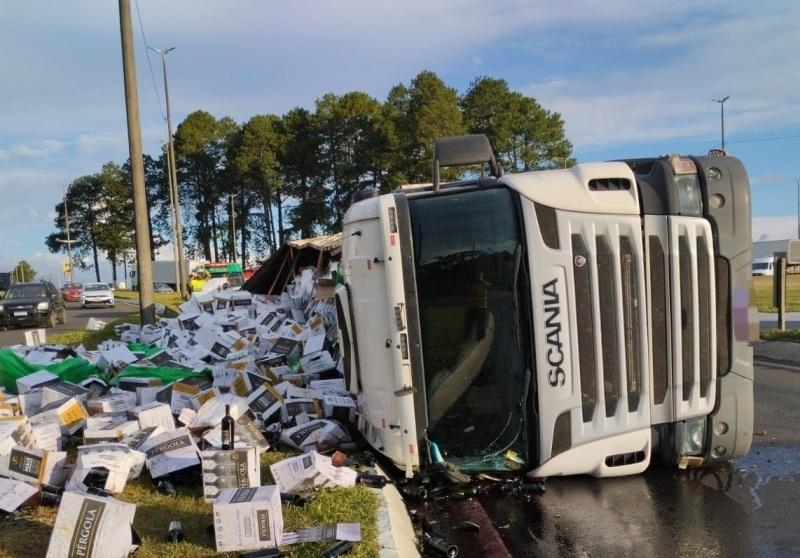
(291, 176)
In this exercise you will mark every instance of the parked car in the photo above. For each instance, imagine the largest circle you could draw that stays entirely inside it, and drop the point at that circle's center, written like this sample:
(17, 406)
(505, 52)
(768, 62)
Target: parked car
(162, 288)
(32, 304)
(97, 294)
(72, 292)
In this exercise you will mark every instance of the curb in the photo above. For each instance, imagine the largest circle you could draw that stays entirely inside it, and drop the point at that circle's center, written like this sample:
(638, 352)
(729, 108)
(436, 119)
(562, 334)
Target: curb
(784, 352)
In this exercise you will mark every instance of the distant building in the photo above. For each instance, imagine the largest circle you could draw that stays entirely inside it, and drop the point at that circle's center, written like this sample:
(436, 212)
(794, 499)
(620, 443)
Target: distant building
(767, 248)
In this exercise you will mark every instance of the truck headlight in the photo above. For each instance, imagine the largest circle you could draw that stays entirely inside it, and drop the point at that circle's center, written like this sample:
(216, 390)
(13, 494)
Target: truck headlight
(693, 439)
(43, 306)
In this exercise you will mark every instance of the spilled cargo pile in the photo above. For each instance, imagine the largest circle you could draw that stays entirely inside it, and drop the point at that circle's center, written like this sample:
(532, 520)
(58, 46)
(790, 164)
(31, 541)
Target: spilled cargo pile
(195, 399)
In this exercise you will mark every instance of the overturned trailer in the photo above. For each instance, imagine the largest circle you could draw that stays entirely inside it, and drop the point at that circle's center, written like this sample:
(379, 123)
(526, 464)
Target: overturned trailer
(571, 321)
(279, 270)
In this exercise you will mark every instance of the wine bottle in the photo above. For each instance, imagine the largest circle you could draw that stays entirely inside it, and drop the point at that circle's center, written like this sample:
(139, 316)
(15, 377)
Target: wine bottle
(227, 429)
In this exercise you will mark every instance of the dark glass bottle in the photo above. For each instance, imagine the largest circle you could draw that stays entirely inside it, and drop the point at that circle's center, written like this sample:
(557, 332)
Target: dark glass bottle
(227, 429)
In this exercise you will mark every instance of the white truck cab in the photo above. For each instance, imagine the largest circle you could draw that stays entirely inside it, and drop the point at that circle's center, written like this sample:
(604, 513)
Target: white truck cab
(559, 322)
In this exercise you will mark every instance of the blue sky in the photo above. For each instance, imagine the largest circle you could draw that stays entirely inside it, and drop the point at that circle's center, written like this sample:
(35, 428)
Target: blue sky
(630, 78)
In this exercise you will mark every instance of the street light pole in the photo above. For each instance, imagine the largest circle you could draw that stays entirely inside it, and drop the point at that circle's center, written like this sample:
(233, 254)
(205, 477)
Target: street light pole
(174, 224)
(176, 208)
(722, 116)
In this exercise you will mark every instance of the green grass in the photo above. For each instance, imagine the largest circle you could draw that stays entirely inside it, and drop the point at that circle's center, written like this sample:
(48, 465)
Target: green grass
(761, 293)
(29, 535)
(170, 300)
(792, 335)
(90, 339)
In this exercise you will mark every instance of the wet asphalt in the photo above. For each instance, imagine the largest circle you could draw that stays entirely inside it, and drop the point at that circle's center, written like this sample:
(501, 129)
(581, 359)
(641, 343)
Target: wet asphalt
(750, 507)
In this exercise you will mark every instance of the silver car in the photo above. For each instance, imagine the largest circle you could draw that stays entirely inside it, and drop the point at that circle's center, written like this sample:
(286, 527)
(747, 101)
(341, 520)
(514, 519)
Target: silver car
(97, 294)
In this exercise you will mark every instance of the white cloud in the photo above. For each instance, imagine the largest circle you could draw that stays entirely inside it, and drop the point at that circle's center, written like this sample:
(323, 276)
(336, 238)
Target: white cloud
(31, 150)
(744, 53)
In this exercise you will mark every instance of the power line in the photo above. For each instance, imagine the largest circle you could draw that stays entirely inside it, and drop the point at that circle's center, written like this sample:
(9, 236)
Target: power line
(755, 140)
(149, 64)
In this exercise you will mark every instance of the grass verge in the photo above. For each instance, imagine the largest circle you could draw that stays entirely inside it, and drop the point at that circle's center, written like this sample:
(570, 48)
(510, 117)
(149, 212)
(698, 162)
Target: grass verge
(761, 293)
(792, 335)
(170, 300)
(29, 535)
(89, 338)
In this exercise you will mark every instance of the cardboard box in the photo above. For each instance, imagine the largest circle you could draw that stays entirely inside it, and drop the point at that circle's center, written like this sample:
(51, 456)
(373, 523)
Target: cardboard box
(154, 414)
(339, 408)
(180, 394)
(246, 433)
(237, 468)
(14, 494)
(121, 462)
(113, 403)
(35, 337)
(46, 434)
(132, 383)
(248, 519)
(92, 526)
(138, 438)
(265, 402)
(28, 383)
(14, 432)
(310, 470)
(70, 414)
(57, 391)
(315, 434)
(34, 466)
(169, 452)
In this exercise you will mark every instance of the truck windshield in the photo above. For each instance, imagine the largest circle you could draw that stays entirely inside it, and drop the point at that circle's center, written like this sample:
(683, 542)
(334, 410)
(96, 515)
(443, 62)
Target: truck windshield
(761, 266)
(470, 271)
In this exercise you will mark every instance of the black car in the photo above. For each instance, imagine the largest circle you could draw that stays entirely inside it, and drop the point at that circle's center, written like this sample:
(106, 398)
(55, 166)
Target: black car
(32, 304)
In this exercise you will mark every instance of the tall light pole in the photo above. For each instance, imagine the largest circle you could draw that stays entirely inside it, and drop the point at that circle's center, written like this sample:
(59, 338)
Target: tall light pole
(233, 227)
(722, 116)
(176, 207)
(798, 207)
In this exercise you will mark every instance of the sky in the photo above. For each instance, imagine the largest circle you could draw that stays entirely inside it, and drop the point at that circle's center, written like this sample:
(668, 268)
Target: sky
(631, 78)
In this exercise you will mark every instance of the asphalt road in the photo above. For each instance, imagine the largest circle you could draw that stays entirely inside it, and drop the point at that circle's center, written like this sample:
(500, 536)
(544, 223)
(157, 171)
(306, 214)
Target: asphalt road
(748, 508)
(77, 318)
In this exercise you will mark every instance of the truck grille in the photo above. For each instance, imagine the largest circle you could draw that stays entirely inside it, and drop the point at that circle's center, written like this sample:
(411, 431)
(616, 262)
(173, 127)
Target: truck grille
(607, 270)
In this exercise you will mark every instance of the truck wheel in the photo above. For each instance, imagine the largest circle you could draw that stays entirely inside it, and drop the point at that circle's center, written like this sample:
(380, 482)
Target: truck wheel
(62, 316)
(52, 319)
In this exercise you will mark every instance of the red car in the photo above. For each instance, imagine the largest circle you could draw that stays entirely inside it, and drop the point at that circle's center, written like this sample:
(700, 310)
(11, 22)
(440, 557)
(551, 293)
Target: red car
(72, 292)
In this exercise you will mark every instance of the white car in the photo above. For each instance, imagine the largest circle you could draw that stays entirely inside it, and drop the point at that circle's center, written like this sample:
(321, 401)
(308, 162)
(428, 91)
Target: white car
(99, 294)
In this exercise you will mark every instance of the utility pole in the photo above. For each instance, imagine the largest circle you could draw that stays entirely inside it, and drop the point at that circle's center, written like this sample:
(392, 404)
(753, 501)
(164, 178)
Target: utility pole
(147, 310)
(798, 207)
(722, 116)
(176, 208)
(233, 227)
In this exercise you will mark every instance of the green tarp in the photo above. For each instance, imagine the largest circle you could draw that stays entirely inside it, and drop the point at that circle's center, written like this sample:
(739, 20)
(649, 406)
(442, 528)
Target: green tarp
(73, 370)
(76, 370)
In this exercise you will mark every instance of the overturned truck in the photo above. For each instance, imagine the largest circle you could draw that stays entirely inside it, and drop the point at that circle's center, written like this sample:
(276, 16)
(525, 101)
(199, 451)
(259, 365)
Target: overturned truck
(576, 321)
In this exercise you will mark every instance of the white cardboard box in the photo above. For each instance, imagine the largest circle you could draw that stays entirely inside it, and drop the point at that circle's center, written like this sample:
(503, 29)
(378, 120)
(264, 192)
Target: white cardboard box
(37, 379)
(237, 468)
(14, 493)
(92, 526)
(154, 414)
(248, 518)
(34, 466)
(170, 452)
